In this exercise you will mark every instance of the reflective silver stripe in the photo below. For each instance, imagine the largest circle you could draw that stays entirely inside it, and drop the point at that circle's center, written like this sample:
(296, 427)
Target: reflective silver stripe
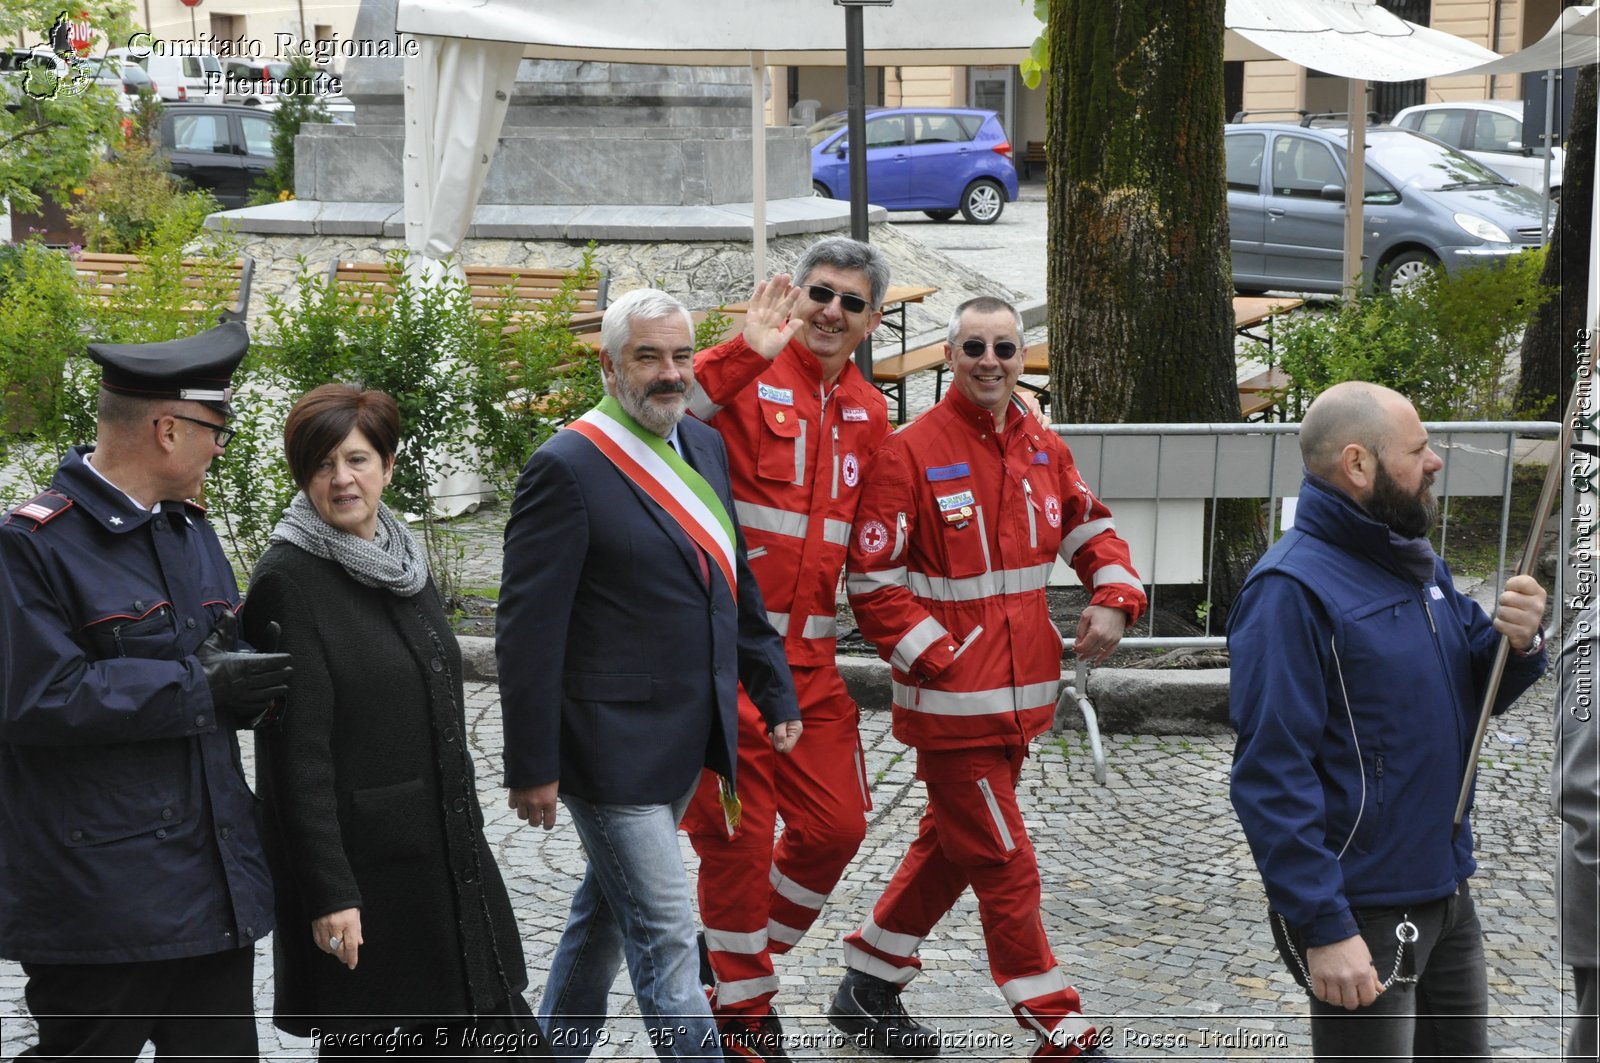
(914, 642)
(800, 456)
(792, 891)
(835, 461)
(983, 537)
(1114, 574)
(1027, 502)
(889, 941)
(743, 943)
(1082, 534)
(1070, 1030)
(779, 622)
(771, 519)
(836, 532)
(821, 627)
(899, 536)
(780, 934)
(861, 777)
(994, 814)
(859, 959)
(748, 989)
(700, 404)
(868, 582)
(975, 702)
(1021, 990)
(973, 588)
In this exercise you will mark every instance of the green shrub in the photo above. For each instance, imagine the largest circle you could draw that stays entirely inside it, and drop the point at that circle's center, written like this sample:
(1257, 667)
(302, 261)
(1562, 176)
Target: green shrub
(1446, 343)
(131, 195)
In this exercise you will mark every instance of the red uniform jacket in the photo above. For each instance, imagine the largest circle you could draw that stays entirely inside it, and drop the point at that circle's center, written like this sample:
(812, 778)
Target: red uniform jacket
(796, 452)
(954, 541)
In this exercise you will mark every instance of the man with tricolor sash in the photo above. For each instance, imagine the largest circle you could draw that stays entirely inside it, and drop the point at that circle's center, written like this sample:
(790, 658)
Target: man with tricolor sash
(628, 619)
(800, 423)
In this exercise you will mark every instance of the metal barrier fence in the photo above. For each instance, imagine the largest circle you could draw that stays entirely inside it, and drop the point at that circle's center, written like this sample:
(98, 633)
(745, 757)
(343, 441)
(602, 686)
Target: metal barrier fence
(1159, 480)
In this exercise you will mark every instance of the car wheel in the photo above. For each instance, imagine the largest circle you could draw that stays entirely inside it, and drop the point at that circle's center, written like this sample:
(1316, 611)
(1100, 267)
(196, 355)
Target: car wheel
(1404, 270)
(1241, 290)
(820, 189)
(940, 215)
(983, 201)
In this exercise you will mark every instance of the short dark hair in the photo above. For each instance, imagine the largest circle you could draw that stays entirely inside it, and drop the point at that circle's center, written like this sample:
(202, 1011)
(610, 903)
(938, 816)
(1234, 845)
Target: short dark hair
(325, 415)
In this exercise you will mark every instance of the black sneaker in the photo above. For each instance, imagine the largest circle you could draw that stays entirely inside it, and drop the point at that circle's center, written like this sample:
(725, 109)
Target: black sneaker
(869, 1010)
(746, 1037)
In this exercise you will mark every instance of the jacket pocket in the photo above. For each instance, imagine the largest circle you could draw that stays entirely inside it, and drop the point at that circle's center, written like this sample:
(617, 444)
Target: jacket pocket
(781, 450)
(1369, 829)
(388, 822)
(151, 636)
(100, 816)
(608, 686)
(962, 537)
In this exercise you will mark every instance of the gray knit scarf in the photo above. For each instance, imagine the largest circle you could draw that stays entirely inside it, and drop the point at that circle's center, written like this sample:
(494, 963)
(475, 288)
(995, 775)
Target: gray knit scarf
(393, 560)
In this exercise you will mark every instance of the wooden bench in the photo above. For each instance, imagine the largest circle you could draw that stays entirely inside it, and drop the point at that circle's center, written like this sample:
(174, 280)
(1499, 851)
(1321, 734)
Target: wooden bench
(890, 374)
(487, 286)
(1033, 156)
(106, 275)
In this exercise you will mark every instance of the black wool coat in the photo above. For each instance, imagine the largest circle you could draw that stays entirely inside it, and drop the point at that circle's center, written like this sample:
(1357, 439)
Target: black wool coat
(370, 803)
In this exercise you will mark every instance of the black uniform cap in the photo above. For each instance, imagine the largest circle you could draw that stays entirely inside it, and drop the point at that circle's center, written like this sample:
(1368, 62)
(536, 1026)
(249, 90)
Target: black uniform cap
(196, 369)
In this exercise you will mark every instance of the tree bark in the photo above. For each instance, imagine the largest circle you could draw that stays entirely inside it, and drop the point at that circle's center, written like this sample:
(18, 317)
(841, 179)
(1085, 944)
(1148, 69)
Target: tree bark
(1545, 383)
(1140, 284)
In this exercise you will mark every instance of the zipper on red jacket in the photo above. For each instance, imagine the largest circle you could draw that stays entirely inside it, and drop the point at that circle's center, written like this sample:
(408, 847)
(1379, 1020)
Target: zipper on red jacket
(835, 462)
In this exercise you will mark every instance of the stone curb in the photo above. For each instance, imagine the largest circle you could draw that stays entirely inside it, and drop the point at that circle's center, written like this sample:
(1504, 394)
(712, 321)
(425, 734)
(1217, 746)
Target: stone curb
(1126, 700)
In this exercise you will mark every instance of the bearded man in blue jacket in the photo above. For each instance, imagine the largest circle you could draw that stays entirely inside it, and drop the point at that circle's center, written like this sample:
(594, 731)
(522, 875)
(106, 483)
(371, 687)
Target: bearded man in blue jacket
(1358, 671)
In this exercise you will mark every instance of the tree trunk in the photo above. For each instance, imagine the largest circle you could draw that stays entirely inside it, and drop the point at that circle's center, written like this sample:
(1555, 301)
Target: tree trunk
(1140, 285)
(1547, 359)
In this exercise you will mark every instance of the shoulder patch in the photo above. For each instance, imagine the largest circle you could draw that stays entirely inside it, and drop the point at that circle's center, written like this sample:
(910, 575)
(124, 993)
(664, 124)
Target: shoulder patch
(42, 509)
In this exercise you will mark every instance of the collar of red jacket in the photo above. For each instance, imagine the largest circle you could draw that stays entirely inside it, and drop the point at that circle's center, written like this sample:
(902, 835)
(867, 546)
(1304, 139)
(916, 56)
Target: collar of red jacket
(982, 421)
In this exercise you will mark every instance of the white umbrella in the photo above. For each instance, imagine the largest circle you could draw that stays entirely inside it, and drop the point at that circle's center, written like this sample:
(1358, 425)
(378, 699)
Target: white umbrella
(751, 33)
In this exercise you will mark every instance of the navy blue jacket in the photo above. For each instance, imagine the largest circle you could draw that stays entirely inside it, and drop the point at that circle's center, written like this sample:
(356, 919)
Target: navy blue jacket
(1355, 690)
(619, 666)
(127, 830)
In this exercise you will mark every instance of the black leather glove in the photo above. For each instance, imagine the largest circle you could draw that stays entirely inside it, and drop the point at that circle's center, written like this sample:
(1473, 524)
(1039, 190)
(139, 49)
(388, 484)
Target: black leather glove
(251, 688)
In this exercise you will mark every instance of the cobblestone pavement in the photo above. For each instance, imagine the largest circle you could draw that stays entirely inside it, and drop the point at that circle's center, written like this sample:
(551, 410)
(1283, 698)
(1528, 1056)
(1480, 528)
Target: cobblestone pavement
(1150, 899)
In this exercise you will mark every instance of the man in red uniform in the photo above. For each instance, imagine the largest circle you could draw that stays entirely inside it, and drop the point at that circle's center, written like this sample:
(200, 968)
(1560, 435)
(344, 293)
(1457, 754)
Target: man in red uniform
(961, 519)
(800, 422)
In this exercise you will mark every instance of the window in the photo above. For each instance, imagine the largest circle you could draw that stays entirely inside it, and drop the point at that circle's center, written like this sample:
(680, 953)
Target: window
(886, 132)
(939, 129)
(1443, 125)
(1303, 167)
(257, 135)
(1244, 161)
(201, 132)
(1494, 131)
(1378, 191)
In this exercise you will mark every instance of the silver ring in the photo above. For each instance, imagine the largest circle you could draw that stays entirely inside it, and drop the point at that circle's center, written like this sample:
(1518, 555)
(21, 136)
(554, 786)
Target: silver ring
(335, 944)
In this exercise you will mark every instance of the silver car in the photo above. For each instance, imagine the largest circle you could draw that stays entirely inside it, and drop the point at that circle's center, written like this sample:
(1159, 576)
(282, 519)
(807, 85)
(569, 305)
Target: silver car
(1425, 205)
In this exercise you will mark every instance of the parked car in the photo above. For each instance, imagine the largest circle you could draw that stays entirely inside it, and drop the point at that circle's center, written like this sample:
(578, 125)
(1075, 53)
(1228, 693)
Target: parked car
(181, 78)
(254, 82)
(127, 80)
(936, 160)
(1491, 132)
(221, 147)
(1425, 205)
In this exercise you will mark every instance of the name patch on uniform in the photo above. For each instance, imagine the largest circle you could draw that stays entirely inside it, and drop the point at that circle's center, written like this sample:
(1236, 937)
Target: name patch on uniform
(1041, 457)
(772, 394)
(853, 413)
(949, 472)
(1436, 594)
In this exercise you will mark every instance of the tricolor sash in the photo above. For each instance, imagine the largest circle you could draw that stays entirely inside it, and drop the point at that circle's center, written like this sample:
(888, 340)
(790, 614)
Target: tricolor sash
(660, 472)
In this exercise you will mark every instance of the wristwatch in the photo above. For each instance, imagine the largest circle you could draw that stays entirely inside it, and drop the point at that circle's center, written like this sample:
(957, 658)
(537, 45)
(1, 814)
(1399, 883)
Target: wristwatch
(1534, 647)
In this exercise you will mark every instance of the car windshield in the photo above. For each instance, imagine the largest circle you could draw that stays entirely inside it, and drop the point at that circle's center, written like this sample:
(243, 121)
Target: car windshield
(1417, 162)
(822, 130)
(133, 74)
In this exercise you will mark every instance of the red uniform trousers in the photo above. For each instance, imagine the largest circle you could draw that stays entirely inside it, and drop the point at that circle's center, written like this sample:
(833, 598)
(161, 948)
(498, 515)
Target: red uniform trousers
(820, 790)
(972, 834)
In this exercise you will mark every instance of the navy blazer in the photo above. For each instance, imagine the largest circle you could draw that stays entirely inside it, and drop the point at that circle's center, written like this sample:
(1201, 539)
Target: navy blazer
(619, 664)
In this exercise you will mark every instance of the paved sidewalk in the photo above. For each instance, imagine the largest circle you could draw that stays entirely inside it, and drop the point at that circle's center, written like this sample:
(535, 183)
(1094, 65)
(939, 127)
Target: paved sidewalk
(1150, 899)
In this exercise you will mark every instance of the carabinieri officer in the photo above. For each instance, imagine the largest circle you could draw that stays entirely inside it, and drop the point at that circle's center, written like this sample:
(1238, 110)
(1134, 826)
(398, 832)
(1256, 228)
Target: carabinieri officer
(132, 880)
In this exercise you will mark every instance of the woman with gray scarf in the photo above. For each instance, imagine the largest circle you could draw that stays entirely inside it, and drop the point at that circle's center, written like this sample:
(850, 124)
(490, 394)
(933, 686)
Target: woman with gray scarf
(392, 916)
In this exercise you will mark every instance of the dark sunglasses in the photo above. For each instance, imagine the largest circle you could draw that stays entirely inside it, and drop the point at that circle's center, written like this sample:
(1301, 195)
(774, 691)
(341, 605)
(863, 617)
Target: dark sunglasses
(1002, 350)
(850, 304)
(220, 432)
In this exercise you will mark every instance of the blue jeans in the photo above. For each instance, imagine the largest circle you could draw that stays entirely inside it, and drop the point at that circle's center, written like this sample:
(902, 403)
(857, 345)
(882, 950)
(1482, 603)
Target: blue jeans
(633, 903)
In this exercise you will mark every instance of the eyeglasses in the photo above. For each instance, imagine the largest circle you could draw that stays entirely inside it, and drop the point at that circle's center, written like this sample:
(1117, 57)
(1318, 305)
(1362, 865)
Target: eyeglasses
(1002, 350)
(221, 433)
(850, 304)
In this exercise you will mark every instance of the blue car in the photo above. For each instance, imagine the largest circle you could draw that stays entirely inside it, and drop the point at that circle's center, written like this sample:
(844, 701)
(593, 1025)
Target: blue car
(934, 159)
